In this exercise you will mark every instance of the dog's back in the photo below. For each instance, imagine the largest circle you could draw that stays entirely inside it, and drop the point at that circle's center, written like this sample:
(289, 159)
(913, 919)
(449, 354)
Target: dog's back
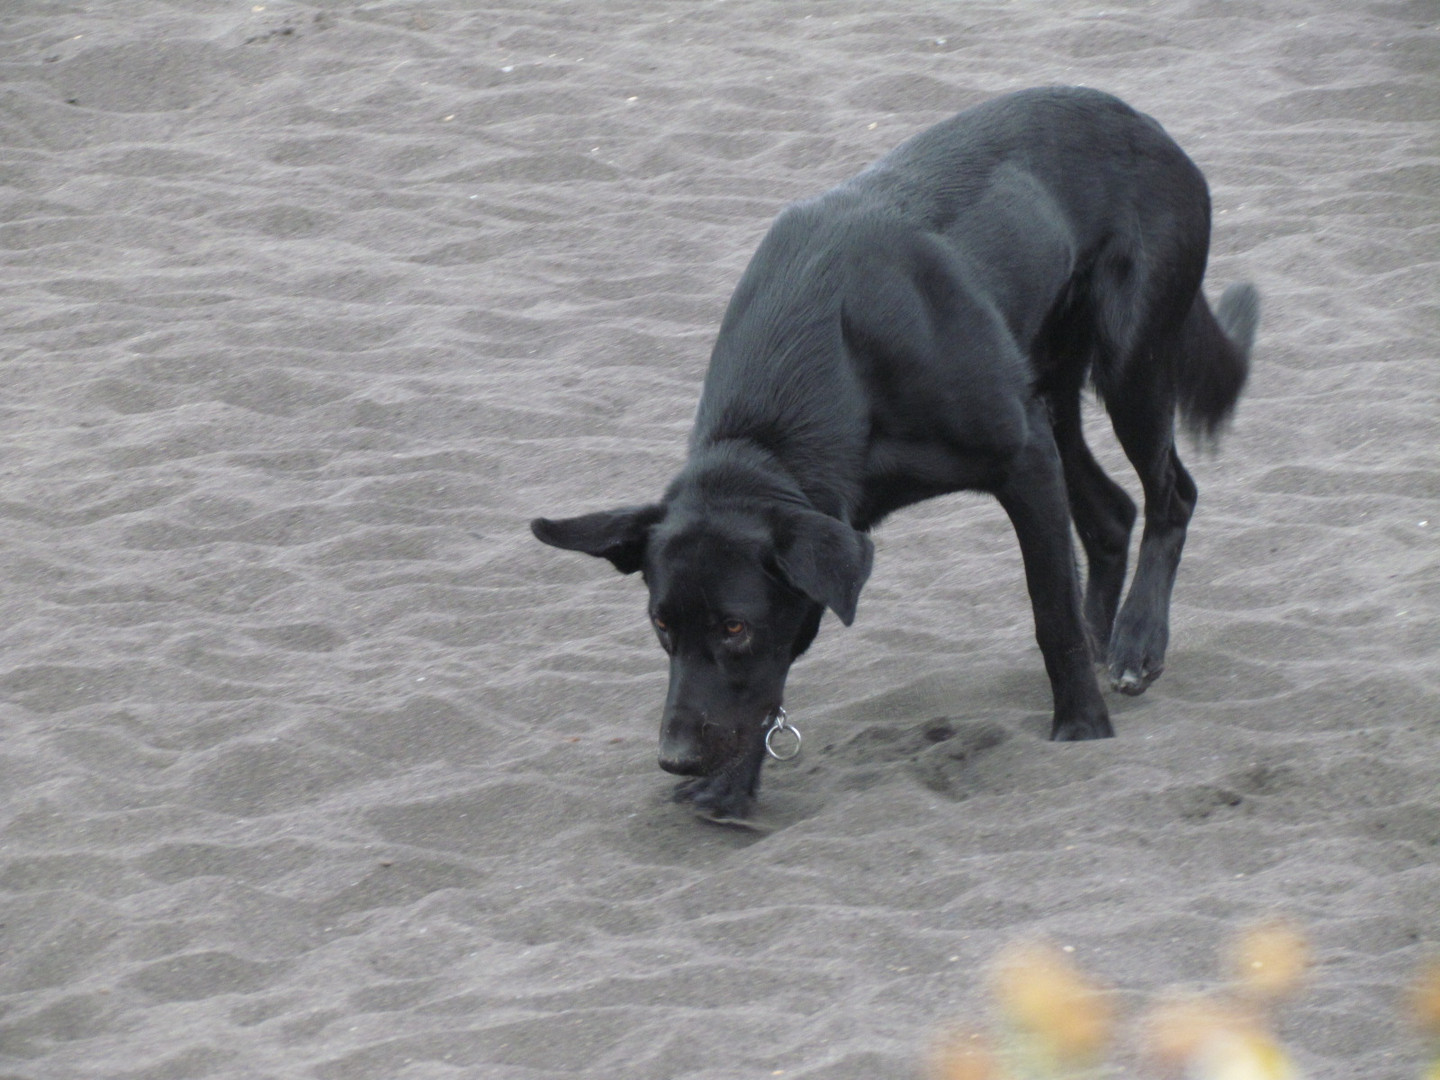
(1072, 215)
(1088, 151)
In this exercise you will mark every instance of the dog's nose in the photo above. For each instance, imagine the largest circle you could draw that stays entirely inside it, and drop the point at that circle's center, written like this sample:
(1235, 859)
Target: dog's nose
(680, 746)
(679, 753)
(681, 764)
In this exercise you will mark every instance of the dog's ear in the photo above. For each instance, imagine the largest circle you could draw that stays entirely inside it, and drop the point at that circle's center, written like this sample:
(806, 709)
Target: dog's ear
(823, 558)
(618, 535)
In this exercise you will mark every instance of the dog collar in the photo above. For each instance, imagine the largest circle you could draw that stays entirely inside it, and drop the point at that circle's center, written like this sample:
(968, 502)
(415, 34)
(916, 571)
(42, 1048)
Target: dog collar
(779, 722)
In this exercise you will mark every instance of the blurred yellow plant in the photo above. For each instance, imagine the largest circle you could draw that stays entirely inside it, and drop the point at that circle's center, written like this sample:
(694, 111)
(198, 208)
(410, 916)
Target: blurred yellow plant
(1052, 1006)
(1210, 1039)
(1425, 999)
(1177, 1028)
(1058, 1024)
(1425, 1011)
(964, 1056)
(1269, 960)
(1243, 1056)
(1229, 1037)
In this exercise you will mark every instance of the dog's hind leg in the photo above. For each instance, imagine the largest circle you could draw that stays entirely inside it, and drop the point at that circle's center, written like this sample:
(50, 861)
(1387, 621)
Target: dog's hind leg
(1033, 495)
(1210, 355)
(1104, 515)
(1142, 410)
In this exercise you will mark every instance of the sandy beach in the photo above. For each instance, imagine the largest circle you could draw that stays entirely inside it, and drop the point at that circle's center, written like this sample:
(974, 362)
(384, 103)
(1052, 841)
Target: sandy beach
(317, 765)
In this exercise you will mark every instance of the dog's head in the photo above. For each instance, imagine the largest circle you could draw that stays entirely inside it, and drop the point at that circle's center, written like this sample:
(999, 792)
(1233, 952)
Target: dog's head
(736, 594)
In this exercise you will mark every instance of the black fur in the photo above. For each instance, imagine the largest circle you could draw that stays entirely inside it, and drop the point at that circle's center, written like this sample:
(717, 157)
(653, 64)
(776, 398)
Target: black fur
(927, 327)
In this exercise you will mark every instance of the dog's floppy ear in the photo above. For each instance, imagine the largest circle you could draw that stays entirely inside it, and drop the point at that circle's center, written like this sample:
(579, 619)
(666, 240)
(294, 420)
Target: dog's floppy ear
(823, 558)
(618, 535)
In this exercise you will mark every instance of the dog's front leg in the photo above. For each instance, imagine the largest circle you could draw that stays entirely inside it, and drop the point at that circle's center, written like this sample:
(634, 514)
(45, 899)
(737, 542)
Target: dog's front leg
(1033, 494)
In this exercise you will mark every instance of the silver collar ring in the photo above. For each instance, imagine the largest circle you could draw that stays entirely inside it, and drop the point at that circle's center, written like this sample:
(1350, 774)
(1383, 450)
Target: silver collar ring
(781, 723)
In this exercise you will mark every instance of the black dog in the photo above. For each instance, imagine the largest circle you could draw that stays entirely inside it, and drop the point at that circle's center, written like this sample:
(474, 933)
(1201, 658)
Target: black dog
(927, 327)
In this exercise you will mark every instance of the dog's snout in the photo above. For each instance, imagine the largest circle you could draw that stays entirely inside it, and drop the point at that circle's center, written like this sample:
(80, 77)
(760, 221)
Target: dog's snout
(680, 754)
(680, 750)
(683, 764)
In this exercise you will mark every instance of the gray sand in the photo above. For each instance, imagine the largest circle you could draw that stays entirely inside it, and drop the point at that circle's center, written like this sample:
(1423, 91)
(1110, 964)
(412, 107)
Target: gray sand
(316, 765)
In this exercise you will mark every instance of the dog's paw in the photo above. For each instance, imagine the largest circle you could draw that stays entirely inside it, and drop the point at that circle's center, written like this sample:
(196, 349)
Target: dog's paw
(1132, 677)
(723, 797)
(1079, 729)
(1135, 662)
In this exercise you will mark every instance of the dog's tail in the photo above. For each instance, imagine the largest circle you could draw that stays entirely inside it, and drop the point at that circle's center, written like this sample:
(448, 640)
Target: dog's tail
(1215, 358)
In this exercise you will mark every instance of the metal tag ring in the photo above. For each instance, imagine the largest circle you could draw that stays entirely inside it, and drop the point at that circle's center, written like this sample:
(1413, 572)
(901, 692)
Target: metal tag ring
(780, 722)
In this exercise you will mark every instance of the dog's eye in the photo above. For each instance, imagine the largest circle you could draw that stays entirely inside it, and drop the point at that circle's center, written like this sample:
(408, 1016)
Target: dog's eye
(734, 628)
(660, 624)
